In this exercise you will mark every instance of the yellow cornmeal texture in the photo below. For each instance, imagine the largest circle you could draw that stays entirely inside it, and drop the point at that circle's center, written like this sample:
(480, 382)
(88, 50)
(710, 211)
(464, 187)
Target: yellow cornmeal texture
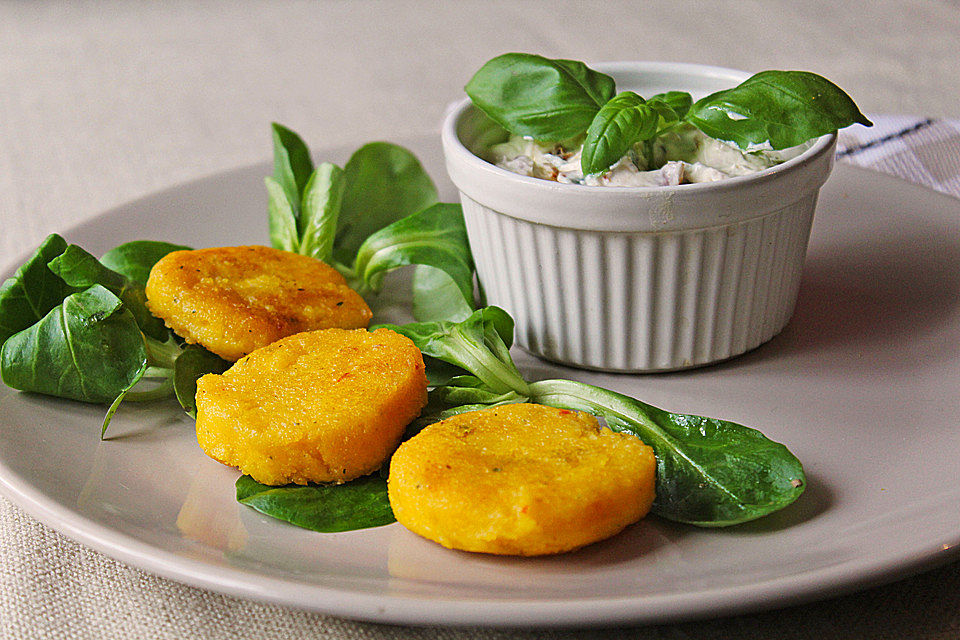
(319, 406)
(521, 479)
(233, 300)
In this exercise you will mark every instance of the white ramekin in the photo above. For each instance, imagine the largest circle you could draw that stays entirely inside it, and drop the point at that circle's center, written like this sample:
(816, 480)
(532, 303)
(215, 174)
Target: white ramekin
(638, 278)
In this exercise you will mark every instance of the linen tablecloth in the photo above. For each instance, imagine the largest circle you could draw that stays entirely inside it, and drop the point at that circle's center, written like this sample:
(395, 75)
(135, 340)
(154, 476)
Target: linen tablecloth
(101, 103)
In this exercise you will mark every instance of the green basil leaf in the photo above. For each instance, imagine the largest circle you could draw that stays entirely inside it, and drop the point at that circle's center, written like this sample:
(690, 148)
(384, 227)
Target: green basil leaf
(322, 199)
(710, 472)
(435, 236)
(530, 95)
(784, 108)
(281, 218)
(678, 102)
(80, 269)
(437, 296)
(329, 508)
(33, 290)
(89, 348)
(193, 363)
(135, 259)
(623, 120)
(384, 183)
(292, 165)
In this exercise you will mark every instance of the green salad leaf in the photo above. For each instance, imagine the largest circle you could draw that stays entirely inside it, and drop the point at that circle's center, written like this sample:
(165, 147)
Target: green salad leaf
(384, 183)
(193, 363)
(435, 236)
(377, 214)
(33, 290)
(96, 341)
(87, 348)
(437, 296)
(292, 164)
(710, 472)
(329, 508)
(479, 345)
(135, 259)
(322, 202)
(80, 269)
(281, 217)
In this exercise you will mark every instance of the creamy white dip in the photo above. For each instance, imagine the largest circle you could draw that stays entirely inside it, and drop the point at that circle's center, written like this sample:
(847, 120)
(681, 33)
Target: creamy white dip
(681, 156)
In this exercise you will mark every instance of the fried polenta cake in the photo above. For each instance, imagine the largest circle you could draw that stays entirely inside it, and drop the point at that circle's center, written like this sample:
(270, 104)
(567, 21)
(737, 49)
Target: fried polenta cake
(520, 479)
(318, 406)
(233, 300)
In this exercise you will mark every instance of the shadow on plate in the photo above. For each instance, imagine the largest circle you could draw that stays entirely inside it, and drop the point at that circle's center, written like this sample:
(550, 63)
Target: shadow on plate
(148, 422)
(874, 300)
(816, 500)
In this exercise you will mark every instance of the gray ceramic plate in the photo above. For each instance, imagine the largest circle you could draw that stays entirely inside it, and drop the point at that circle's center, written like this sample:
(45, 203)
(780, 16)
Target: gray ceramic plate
(862, 386)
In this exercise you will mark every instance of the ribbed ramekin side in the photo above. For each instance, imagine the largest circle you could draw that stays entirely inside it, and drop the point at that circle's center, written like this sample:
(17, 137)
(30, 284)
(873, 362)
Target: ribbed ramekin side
(642, 301)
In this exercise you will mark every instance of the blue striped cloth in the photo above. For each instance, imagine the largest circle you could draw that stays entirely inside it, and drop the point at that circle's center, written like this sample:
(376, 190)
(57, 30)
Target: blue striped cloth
(922, 150)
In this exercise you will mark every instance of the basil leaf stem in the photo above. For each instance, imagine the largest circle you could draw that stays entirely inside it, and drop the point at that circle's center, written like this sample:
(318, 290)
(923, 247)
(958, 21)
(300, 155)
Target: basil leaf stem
(328, 508)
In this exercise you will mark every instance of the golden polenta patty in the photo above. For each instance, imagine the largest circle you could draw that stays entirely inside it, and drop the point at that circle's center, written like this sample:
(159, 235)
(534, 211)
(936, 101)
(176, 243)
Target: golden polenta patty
(319, 406)
(233, 300)
(520, 479)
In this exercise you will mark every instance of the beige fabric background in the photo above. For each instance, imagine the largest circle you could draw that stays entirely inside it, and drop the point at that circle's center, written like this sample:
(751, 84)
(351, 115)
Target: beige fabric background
(101, 103)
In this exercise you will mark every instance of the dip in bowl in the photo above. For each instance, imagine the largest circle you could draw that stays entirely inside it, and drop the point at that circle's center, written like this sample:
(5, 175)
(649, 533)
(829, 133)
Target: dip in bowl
(637, 279)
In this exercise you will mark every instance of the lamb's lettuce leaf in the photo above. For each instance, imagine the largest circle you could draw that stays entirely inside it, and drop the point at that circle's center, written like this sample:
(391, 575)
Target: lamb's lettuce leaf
(384, 183)
(33, 290)
(87, 348)
(135, 259)
(329, 508)
(377, 214)
(78, 268)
